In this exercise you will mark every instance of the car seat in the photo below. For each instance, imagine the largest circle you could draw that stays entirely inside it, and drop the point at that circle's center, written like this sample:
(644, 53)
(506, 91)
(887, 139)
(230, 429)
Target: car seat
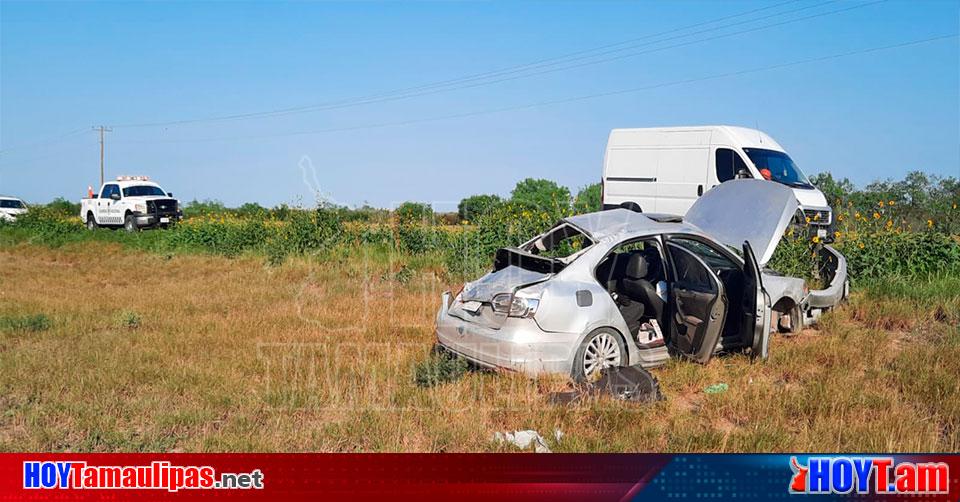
(643, 271)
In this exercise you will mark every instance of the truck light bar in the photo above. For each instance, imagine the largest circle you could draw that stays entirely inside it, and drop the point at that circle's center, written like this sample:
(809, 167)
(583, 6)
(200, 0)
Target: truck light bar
(133, 178)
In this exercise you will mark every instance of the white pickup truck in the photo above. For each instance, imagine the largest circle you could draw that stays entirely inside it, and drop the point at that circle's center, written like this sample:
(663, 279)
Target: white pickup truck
(131, 202)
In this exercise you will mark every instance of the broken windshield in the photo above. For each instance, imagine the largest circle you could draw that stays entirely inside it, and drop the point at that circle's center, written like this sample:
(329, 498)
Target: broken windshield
(779, 166)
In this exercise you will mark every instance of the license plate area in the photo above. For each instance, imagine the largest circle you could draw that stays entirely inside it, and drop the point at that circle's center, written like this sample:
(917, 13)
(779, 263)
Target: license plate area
(164, 220)
(472, 306)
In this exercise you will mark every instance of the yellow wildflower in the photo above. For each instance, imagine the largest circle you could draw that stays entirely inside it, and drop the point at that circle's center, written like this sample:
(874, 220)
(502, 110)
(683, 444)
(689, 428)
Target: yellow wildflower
(836, 235)
(860, 245)
(839, 217)
(889, 224)
(891, 202)
(857, 215)
(808, 219)
(929, 223)
(876, 215)
(816, 239)
(880, 203)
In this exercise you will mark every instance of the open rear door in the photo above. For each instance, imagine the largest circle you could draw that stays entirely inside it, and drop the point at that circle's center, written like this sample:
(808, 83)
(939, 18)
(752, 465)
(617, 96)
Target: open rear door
(698, 305)
(756, 307)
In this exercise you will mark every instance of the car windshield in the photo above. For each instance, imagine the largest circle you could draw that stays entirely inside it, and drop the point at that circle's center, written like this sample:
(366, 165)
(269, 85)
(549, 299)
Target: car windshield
(11, 204)
(141, 190)
(779, 165)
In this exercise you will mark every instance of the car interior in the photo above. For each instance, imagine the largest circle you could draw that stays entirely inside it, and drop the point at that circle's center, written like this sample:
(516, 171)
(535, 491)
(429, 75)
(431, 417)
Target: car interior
(631, 274)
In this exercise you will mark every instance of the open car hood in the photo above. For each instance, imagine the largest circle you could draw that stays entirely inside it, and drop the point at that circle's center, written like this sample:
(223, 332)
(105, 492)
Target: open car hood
(746, 210)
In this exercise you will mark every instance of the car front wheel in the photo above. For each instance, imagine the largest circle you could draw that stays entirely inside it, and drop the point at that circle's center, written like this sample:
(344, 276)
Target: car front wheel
(602, 348)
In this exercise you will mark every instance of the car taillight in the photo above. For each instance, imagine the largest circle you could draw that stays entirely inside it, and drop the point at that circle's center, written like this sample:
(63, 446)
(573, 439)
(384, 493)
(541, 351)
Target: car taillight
(514, 305)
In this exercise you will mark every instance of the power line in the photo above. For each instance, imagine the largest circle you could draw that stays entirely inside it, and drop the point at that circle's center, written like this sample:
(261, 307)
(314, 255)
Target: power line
(448, 85)
(45, 142)
(566, 100)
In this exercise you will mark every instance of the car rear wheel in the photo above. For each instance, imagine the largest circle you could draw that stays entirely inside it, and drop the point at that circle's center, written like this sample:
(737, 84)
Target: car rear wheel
(602, 348)
(91, 222)
(129, 223)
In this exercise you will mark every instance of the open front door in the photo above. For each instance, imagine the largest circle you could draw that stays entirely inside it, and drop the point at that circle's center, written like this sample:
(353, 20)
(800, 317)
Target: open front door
(755, 328)
(698, 305)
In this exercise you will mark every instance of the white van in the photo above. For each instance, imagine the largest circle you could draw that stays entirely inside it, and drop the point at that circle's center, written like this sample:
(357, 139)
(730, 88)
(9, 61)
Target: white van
(665, 169)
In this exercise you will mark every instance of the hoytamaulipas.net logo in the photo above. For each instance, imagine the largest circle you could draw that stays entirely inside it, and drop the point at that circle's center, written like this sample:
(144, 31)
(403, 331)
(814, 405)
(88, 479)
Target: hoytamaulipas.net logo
(874, 475)
(159, 475)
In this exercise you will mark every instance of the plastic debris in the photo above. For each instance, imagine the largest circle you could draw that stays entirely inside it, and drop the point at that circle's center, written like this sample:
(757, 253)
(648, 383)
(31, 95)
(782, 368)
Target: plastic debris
(523, 440)
(716, 388)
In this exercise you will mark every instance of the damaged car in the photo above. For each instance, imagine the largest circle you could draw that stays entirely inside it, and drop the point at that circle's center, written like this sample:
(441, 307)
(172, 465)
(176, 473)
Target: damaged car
(623, 288)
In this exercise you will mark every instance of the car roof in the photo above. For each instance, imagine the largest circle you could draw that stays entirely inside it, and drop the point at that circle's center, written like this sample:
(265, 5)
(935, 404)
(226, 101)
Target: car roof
(623, 223)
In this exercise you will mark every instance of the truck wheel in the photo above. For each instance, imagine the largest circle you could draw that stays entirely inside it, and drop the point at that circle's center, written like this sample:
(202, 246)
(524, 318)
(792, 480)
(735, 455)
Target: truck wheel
(91, 222)
(129, 223)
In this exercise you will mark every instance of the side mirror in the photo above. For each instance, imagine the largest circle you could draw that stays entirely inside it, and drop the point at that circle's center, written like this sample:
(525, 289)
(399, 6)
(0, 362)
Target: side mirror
(742, 174)
(169, 194)
(115, 196)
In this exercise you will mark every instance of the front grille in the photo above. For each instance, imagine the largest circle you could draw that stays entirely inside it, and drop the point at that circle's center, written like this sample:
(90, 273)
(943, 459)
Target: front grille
(817, 216)
(162, 207)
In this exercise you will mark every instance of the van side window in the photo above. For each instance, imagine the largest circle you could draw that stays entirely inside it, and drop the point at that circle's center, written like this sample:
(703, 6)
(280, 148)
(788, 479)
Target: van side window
(729, 163)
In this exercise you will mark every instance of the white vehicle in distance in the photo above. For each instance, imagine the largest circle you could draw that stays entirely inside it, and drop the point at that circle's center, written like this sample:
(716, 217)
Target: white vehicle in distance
(131, 202)
(11, 207)
(666, 169)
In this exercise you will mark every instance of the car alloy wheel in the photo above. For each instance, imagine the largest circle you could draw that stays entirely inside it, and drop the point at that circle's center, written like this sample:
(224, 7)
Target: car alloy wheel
(602, 351)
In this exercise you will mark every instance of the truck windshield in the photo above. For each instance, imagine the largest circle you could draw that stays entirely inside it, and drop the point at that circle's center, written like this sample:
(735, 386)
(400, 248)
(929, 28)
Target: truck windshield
(781, 167)
(141, 190)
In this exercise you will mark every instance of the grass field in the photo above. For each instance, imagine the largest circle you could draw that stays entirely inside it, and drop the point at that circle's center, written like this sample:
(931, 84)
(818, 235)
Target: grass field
(107, 348)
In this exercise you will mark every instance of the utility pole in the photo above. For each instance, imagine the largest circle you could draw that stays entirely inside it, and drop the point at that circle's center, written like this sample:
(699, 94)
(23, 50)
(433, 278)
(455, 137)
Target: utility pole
(102, 130)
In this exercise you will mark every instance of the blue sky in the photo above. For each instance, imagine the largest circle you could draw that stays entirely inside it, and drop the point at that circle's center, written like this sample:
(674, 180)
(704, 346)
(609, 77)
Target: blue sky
(67, 66)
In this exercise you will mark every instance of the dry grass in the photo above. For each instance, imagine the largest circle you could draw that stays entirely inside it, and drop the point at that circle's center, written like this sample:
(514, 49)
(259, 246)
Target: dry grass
(319, 355)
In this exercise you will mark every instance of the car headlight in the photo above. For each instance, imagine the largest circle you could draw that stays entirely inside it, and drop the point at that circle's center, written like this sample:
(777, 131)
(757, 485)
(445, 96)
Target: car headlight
(514, 305)
(140, 208)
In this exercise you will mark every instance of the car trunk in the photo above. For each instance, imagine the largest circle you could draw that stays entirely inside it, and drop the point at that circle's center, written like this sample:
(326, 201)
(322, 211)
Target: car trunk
(513, 269)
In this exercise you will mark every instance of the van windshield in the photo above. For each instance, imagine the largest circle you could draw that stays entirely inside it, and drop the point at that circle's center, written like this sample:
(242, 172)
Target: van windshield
(780, 165)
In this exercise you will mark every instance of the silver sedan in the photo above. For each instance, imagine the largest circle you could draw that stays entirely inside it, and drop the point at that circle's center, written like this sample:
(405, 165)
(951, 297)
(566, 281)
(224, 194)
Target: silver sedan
(619, 288)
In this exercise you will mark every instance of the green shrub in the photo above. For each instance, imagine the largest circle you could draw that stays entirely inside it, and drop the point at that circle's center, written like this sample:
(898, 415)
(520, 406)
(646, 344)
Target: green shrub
(542, 194)
(476, 206)
(439, 369)
(588, 200)
(64, 207)
(35, 322)
(128, 319)
(414, 213)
